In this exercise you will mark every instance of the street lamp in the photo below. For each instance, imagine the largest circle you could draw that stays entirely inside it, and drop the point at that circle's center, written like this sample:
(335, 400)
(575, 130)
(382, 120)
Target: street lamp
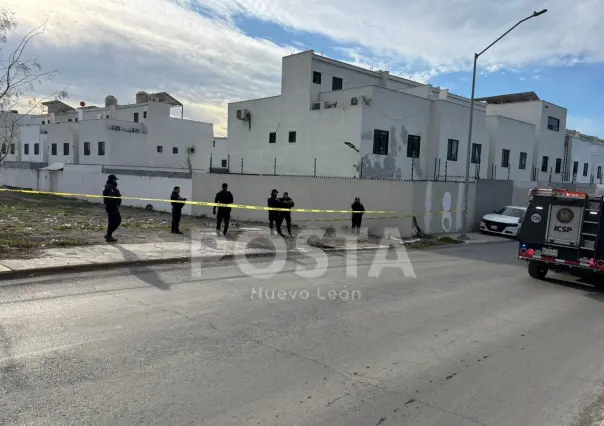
(464, 219)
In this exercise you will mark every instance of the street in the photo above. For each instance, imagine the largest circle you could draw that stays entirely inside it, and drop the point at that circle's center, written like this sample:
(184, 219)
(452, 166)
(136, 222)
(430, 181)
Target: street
(472, 340)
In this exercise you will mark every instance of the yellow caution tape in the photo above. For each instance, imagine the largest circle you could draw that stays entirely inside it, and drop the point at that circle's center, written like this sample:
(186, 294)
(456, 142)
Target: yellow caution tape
(234, 206)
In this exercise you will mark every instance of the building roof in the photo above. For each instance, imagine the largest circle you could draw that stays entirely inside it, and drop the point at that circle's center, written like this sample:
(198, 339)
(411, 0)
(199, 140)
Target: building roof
(510, 98)
(165, 98)
(57, 106)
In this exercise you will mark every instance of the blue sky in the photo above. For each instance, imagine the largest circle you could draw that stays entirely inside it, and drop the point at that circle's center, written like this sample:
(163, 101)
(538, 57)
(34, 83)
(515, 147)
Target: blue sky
(211, 52)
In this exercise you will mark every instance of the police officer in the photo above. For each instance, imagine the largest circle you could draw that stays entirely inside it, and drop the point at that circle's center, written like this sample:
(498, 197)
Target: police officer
(112, 207)
(176, 209)
(224, 213)
(357, 218)
(273, 215)
(286, 203)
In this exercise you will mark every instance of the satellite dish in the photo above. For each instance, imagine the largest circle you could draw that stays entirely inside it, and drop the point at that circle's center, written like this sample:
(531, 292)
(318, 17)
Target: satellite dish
(82, 104)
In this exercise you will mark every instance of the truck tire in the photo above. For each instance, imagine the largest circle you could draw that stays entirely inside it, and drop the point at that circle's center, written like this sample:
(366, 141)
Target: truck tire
(536, 271)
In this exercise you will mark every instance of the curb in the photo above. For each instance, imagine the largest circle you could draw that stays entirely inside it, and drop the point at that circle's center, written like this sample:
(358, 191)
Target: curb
(88, 267)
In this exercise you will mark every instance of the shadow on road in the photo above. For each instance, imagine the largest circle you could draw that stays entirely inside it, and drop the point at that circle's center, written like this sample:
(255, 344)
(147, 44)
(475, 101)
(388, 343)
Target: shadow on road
(142, 272)
(504, 252)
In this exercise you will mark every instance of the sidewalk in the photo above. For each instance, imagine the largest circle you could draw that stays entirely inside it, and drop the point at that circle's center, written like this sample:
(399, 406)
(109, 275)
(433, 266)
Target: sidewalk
(252, 242)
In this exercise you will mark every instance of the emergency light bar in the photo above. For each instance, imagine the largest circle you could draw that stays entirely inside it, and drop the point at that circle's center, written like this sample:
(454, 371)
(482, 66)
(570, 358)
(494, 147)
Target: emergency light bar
(555, 192)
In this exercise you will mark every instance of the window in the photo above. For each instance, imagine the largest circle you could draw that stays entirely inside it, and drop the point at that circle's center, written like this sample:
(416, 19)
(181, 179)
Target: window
(272, 137)
(12, 149)
(175, 150)
(26, 149)
(224, 163)
(213, 144)
(70, 120)
(316, 77)
(522, 162)
(36, 149)
(76, 119)
(575, 167)
(86, 148)
(107, 116)
(43, 122)
(599, 172)
(413, 146)
(380, 142)
(544, 162)
(511, 211)
(4, 149)
(553, 124)
(336, 83)
(558, 165)
(476, 153)
(53, 149)
(136, 117)
(65, 149)
(160, 149)
(101, 148)
(292, 137)
(505, 158)
(452, 147)
(585, 169)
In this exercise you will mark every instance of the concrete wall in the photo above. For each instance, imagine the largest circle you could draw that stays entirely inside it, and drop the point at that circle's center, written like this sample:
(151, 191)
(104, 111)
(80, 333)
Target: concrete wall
(408, 198)
(585, 151)
(492, 195)
(517, 137)
(31, 135)
(60, 134)
(90, 179)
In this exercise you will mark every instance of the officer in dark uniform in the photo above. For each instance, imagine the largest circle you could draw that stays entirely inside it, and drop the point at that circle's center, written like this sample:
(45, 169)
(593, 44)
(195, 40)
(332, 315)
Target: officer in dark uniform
(273, 215)
(176, 209)
(224, 213)
(112, 207)
(357, 218)
(286, 203)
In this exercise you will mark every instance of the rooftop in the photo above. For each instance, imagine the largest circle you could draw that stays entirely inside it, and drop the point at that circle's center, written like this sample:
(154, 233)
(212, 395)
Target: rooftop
(57, 106)
(510, 98)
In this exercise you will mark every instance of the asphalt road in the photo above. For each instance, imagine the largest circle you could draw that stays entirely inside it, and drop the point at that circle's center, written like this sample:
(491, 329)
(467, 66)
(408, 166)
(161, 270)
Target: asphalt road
(471, 340)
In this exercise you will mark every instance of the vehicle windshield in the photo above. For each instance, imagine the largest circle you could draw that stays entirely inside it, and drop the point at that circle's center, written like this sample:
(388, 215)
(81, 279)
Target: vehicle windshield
(511, 211)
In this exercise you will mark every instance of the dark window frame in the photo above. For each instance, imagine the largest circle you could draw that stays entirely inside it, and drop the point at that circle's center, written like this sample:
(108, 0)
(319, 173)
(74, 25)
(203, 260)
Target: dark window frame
(36, 149)
(575, 168)
(544, 163)
(53, 149)
(65, 148)
(413, 146)
(452, 154)
(505, 158)
(476, 156)
(558, 168)
(144, 114)
(101, 148)
(174, 150)
(87, 149)
(224, 163)
(272, 137)
(13, 149)
(522, 161)
(553, 124)
(316, 77)
(135, 117)
(25, 149)
(381, 140)
(337, 83)
(160, 149)
(585, 169)
(291, 138)
(599, 172)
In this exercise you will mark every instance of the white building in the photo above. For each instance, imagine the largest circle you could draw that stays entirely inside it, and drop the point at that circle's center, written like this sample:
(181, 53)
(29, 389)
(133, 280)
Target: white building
(548, 152)
(220, 154)
(335, 119)
(139, 135)
(585, 158)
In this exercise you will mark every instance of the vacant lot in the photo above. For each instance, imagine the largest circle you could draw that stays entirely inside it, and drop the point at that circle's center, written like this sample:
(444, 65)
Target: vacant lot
(29, 223)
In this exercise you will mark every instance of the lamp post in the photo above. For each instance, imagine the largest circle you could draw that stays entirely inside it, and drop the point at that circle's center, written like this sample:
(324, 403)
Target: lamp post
(464, 219)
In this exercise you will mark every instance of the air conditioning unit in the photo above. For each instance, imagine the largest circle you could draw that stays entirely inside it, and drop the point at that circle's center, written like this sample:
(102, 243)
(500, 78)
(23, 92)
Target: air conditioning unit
(331, 105)
(315, 106)
(354, 101)
(117, 128)
(137, 131)
(191, 150)
(239, 114)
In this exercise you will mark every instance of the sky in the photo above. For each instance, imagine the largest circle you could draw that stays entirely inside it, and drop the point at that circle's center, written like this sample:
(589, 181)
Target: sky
(207, 53)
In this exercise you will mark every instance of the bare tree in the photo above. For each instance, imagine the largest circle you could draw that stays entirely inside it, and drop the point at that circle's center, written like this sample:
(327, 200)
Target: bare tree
(18, 78)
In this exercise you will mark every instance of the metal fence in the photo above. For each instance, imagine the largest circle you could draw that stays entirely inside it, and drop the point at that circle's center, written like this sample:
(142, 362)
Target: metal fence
(410, 174)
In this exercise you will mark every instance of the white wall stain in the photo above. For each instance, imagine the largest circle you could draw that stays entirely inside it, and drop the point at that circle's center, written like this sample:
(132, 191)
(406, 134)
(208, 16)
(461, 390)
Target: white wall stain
(459, 213)
(428, 207)
(446, 220)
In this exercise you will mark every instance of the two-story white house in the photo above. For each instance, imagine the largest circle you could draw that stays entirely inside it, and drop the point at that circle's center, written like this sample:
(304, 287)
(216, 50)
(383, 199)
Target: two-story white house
(335, 119)
(143, 134)
(542, 152)
(585, 158)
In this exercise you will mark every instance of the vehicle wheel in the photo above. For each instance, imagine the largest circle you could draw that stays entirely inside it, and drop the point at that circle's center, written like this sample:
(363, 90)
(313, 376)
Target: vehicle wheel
(536, 271)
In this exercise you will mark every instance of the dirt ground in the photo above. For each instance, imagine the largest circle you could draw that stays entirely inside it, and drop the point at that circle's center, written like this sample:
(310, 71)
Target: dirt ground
(30, 223)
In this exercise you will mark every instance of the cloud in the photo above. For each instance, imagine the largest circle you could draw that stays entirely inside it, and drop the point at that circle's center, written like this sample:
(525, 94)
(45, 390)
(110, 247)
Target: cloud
(118, 48)
(195, 50)
(586, 125)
